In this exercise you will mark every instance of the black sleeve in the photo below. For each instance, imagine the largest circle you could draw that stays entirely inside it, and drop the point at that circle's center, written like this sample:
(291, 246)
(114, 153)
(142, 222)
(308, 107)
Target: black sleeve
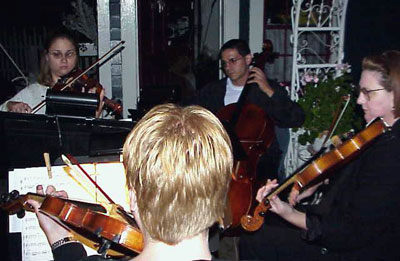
(366, 208)
(69, 252)
(76, 252)
(285, 112)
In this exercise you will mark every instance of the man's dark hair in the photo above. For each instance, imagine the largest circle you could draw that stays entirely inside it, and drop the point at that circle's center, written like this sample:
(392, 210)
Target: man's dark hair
(240, 45)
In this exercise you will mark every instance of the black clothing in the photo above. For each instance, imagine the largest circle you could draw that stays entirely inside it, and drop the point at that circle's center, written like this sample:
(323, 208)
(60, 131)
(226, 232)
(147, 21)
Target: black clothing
(357, 218)
(279, 107)
(76, 252)
(284, 112)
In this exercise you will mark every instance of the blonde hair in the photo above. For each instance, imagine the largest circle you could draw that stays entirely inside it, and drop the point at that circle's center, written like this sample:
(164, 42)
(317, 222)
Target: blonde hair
(178, 160)
(44, 77)
(387, 65)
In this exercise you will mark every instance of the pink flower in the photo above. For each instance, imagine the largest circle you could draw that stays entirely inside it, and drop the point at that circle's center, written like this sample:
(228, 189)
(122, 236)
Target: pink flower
(306, 78)
(343, 67)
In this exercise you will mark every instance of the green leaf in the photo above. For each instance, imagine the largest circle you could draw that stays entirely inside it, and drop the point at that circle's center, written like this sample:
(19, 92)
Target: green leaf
(320, 103)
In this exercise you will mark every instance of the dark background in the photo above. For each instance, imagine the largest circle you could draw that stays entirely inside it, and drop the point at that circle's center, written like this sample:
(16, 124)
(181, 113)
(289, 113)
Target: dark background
(41, 12)
(371, 27)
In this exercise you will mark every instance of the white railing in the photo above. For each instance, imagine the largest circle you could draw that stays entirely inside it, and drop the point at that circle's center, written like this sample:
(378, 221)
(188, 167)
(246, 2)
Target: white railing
(318, 41)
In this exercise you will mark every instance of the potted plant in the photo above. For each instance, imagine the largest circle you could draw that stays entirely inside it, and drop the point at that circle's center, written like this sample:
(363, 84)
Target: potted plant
(320, 98)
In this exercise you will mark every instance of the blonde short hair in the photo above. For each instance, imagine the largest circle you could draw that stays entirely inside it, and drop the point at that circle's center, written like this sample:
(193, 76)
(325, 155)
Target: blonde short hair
(178, 160)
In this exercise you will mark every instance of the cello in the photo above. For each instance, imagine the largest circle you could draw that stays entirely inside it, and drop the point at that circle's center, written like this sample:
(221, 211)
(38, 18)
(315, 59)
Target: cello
(251, 132)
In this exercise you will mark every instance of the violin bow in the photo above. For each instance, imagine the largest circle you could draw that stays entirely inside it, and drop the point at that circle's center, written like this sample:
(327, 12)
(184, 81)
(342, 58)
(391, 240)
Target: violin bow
(106, 55)
(71, 161)
(336, 119)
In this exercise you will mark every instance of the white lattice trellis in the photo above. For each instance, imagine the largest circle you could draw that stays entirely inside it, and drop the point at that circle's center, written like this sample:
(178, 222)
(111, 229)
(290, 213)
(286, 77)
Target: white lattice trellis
(318, 40)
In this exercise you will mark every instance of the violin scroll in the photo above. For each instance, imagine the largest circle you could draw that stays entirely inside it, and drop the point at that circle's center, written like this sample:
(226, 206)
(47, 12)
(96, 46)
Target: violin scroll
(254, 223)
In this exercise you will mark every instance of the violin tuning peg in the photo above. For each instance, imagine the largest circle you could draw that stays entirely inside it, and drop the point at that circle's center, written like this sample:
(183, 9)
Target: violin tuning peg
(14, 194)
(262, 214)
(21, 213)
(5, 197)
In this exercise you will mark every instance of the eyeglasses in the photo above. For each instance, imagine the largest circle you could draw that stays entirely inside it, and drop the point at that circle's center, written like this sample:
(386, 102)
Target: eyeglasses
(367, 92)
(231, 61)
(59, 55)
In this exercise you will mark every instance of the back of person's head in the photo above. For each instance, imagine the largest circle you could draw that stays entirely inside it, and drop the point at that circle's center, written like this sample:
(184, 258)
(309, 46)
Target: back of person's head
(44, 77)
(178, 160)
(238, 44)
(387, 64)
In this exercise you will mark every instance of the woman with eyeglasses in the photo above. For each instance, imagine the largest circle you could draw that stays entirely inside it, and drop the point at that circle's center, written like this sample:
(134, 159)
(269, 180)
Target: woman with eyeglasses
(59, 58)
(359, 212)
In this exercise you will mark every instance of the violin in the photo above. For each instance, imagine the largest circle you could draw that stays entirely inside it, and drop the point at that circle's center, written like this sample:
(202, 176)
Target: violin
(83, 84)
(317, 170)
(108, 228)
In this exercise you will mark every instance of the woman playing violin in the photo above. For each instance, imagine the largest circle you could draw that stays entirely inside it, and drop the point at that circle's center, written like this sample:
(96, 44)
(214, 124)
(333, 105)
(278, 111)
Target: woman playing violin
(59, 59)
(358, 215)
(178, 164)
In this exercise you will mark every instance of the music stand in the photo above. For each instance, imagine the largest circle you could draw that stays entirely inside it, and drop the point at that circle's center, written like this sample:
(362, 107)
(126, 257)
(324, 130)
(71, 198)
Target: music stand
(71, 104)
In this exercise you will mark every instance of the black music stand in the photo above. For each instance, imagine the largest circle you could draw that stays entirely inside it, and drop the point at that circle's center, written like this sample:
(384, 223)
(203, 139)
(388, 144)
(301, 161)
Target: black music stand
(71, 104)
(25, 137)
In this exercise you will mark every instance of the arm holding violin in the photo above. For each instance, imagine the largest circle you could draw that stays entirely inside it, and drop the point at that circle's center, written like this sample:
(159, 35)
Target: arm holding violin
(281, 208)
(58, 237)
(53, 230)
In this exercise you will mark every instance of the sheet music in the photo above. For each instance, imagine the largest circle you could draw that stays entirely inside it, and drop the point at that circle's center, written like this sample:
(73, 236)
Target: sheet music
(109, 176)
